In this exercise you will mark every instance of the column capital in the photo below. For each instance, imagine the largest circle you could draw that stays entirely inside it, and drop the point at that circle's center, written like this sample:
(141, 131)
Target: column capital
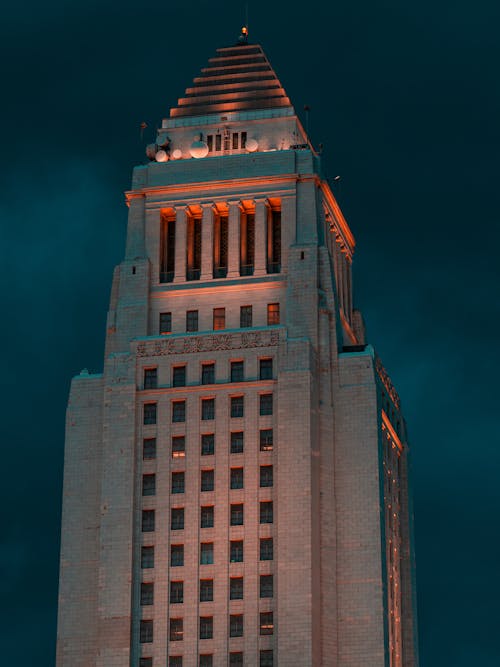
(207, 205)
(236, 202)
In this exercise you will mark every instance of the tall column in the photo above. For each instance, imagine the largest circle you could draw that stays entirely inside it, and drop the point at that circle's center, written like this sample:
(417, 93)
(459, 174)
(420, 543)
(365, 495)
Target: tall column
(261, 212)
(233, 255)
(180, 243)
(207, 235)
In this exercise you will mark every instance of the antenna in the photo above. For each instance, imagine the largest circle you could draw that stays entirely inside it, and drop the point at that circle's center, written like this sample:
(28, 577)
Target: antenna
(246, 16)
(307, 109)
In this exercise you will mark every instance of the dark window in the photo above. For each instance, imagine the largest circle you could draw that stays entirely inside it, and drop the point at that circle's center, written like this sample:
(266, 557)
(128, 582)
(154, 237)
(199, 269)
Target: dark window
(146, 632)
(266, 440)
(150, 413)
(148, 485)
(218, 146)
(236, 551)
(236, 478)
(206, 590)
(207, 660)
(177, 592)
(147, 594)
(236, 588)
(178, 482)
(150, 378)
(235, 140)
(266, 548)
(207, 444)
(210, 142)
(167, 249)
(147, 557)
(193, 244)
(237, 409)
(177, 518)
(179, 411)
(237, 514)
(206, 553)
(237, 371)
(208, 373)
(273, 313)
(236, 625)
(266, 585)
(219, 318)
(206, 627)
(207, 480)
(207, 516)
(236, 660)
(220, 247)
(178, 447)
(266, 475)
(192, 320)
(148, 521)
(176, 629)
(145, 662)
(179, 376)
(266, 404)
(266, 511)
(243, 139)
(266, 658)
(149, 449)
(175, 661)
(237, 442)
(266, 369)
(245, 316)
(176, 555)
(247, 250)
(274, 242)
(208, 408)
(165, 323)
(266, 623)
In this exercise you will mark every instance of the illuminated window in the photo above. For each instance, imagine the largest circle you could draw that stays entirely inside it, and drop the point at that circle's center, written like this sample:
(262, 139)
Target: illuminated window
(207, 444)
(177, 518)
(266, 511)
(236, 478)
(147, 594)
(273, 313)
(206, 590)
(179, 376)
(266, 369)
(176, 592)
(206, 659)
(237, 514)
(150, 378)
(208, 409)
(206, 627)
(208, 373)
(245, 316)
(150, 413)
(206, 553)
(236, 660)
(266, 585)
(266, 404)
(207, 516)
(149, 449)
(176, 555)
(192, 320)
(146, 632)
(266, 659)
(178, 447)
(236, 625)
(178, 482)
(148, 521)
(236, 588)
(266, 548)
(236, 551)
(237, 406)
(176, 629)
(219, 316)
(266, 623)
(178, 411)
(147, 557)
(148, 485)
(237, 442)
(266, 440)
(165, 323)
(237, 371)
(207, 480)
(266, 476)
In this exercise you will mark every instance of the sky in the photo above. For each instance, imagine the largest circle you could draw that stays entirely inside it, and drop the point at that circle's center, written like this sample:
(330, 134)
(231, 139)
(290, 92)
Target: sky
(405, 99)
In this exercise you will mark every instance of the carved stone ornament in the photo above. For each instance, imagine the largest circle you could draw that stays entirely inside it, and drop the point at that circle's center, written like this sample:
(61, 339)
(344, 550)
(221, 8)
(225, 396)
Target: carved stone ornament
(386, 381)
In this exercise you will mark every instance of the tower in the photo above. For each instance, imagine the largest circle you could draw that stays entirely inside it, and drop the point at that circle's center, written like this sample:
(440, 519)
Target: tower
(236, 479)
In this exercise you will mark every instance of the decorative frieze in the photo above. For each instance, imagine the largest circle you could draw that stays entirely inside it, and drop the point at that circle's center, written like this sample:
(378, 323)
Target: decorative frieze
(386, 381)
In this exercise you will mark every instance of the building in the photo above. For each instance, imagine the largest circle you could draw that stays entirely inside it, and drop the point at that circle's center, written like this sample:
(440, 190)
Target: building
(236, 479)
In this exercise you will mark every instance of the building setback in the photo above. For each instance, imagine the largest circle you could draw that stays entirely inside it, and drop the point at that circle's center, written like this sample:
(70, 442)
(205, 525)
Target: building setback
(236, 479)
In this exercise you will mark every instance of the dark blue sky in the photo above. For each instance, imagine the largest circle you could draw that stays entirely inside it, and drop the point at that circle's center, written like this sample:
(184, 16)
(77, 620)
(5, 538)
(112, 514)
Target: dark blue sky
(405, 98)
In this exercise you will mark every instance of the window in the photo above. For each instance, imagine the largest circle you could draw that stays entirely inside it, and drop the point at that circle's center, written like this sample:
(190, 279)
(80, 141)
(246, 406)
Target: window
(148, 521)
(206, 627)
(237, 408)
(237, 514)
(176, 555)
(245, 316)
(177, 518)
(175, 661)
(266, 623)
(247, 249)
(150, 378)
(243, 139)
(219, 318)
(266, 659)
(237, 371)
(208, 373)
(178, 482)
(148, 485)
(210, 142)
(206, 660)
(206, 553)
(176, 629)
(218, 146)
(274, 241)
(207, 480)
(266, 440)
(266, 404)
(236, 625)
(266, 585)
(177, 592)
(266, 369)
(178, 411)
(179, 376)
(266, 475)
(236, 660)
(220, 245)
(147, 557)
(266, 548)
(167, 246)
(236, 588)
(178, 447)
(193, 244)
(273, 313)
(235, 138)
(237, 442)
(147, 594)
(207, 516)
(192, 320)
(207, 408)
(149, 413)
(165, 323)
(266, 511)
(236, 478)
(206, 590)
(145, 662)
(146, 632)
(149, 449)
(236, 551)
(207, 444)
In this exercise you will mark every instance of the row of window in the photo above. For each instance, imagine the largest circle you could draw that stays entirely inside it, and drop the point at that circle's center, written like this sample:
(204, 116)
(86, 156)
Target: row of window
(178, 484)
(207, 513)
(207, 660)
(219, 318)
(236, 554)
(207, 375)
(228, 140)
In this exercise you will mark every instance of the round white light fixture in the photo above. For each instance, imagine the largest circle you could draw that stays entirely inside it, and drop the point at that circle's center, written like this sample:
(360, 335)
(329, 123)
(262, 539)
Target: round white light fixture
(198, 149)
(177, 154)
(252, 145)
(161, 156)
